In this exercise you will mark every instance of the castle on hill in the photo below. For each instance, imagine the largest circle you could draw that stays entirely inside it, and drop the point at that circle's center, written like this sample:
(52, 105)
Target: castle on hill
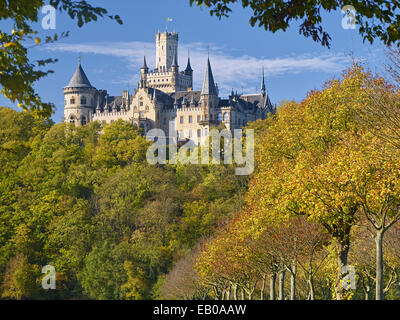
(166, 95)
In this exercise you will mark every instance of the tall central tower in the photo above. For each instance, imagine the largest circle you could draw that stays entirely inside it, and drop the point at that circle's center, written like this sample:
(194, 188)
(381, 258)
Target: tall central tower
(166, 50)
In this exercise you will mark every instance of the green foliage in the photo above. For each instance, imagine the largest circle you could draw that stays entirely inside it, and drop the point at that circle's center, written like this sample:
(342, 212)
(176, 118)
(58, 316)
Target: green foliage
(86, 201)
(376, 19)
(18, 73)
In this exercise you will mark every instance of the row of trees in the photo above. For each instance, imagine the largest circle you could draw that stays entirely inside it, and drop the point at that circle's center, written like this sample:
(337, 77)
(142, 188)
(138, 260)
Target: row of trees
(325, 198)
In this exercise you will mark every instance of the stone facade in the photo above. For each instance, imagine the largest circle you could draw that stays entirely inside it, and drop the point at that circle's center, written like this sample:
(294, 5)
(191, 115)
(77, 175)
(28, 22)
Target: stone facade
(165, 99)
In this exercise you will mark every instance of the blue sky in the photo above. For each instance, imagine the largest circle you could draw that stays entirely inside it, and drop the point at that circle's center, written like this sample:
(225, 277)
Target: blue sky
(112, 54)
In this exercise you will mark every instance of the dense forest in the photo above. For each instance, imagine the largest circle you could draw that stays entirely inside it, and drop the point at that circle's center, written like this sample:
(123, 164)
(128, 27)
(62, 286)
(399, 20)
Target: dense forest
(324, 196)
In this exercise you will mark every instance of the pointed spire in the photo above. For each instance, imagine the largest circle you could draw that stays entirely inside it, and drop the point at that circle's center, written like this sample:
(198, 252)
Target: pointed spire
(208, 83)
(192, 101)
(79, 79)
(114, 108)
(188, 67)
(154, 95)
(127, 98)
(144, 64)
(263, 91)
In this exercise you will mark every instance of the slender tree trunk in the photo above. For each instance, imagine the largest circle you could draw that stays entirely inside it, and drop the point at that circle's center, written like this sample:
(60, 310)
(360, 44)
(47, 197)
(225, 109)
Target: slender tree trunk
(310, 282)
(293, 281)
(398, 290)
(379, 266)
(243, 295)
(282, 284)
(272, 279)
(235, 292)
(343, 251)
(262, 288)
(228, 293)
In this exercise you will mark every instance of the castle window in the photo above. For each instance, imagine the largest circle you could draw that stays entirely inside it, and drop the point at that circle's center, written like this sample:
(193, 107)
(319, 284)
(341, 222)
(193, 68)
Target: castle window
(219, 116)
(83, 100)
(198, 118)
(198, 133)
(72, 101)
(206, 132)
(226, 116)
(181, 119)
(190, 119)
(141, 104)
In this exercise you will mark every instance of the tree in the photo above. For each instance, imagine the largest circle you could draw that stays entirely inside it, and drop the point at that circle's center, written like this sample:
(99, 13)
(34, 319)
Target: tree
(377, 19)
(296, 174)
(18, 73)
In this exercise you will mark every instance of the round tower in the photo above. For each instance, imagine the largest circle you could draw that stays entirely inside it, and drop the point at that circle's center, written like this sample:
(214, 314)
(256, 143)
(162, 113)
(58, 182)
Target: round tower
(80, 99)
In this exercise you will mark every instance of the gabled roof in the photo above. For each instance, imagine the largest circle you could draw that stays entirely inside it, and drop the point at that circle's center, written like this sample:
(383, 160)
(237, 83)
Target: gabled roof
(208, 82)
(79, 79)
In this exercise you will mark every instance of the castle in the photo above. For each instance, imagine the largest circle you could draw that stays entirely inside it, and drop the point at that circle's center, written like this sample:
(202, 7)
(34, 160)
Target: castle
(166, 95)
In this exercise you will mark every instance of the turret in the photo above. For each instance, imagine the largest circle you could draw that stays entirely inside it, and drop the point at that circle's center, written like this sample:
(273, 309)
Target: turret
(209, 94)
(79, 98)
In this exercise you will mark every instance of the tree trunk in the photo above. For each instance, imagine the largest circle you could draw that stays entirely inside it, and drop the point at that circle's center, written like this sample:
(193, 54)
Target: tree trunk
(343, 251)
(310, 282)
(262, 288)
(282, 284)
(235, 292)
(398, 289)
(272, 295)
(293, 282)
(243, 295)
(228, 293)
(379, 266)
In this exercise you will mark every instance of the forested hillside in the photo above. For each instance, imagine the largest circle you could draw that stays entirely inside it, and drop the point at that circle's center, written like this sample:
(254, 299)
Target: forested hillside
(85, 201)
(318, 219)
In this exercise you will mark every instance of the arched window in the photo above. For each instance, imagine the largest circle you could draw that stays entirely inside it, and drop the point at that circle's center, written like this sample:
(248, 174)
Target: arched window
(72, 100)
(219, 116)
(83, 100)
(226, 116)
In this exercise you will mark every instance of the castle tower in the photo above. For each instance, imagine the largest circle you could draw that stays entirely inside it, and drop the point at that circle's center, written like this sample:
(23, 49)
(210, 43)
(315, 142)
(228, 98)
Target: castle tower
(209, 95)
(166, 50)
(79, 97)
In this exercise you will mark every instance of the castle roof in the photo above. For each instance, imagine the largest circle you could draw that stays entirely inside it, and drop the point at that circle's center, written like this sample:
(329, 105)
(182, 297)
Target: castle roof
(79, 79)
(144, 63)
(208, 82)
